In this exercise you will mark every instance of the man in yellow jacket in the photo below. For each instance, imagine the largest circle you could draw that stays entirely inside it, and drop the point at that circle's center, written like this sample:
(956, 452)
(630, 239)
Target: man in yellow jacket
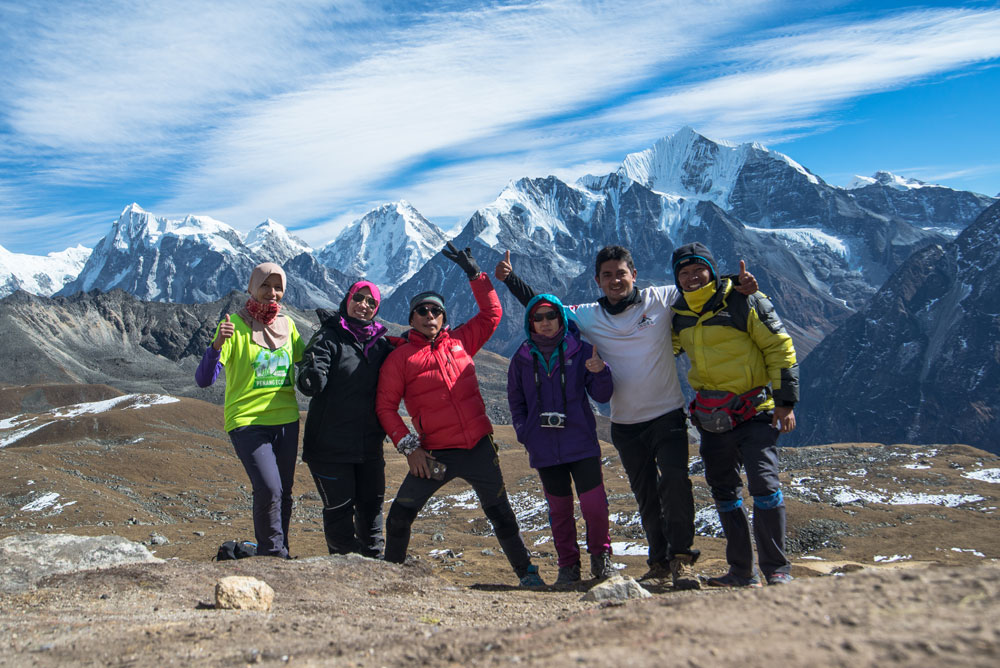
(744, 371)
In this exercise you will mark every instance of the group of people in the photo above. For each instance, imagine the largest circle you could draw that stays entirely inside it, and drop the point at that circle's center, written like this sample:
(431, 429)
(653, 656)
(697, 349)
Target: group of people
(620, 349)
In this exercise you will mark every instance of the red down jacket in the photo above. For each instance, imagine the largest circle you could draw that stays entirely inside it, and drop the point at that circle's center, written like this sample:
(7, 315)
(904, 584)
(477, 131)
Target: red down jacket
(437, 381)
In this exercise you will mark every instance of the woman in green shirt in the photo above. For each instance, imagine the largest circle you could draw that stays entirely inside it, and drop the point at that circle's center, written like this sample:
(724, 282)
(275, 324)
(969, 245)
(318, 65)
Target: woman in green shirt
(258, 347)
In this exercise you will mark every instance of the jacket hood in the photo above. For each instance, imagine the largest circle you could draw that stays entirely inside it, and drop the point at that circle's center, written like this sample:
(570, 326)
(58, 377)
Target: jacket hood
(545, 297)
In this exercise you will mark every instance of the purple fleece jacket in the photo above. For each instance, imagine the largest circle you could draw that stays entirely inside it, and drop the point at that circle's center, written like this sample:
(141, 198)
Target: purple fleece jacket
(578, 439)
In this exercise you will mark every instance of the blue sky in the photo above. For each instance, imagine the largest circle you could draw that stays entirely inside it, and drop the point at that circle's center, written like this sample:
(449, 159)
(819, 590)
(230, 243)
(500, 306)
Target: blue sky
(312, 113)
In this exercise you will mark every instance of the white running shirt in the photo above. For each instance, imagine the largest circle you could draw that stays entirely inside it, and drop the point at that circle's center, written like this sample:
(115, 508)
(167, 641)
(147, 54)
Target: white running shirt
(636, 345)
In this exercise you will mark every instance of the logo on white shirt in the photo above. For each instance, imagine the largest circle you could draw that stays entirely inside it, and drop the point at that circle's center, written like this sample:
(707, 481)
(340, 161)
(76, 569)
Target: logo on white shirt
(645, 322)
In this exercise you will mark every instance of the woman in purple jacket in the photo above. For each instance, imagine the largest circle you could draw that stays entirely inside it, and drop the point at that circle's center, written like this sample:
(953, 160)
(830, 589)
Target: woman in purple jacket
(548, 381)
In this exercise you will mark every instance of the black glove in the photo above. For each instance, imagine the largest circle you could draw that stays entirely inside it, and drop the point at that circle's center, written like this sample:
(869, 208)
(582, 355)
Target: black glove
(463, 259)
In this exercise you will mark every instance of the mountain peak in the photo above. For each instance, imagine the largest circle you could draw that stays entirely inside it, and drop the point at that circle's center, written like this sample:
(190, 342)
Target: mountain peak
(888, 179)
(386, 246)
(272, 242)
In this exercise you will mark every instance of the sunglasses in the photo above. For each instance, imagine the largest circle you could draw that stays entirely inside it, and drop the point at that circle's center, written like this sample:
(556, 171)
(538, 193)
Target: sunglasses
(435, 311)
(548, 315)
(370, 301)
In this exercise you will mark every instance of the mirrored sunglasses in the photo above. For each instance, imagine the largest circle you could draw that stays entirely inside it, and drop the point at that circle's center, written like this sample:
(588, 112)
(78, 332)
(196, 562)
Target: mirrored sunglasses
(423, 310)
(548, 315)
(358, 297)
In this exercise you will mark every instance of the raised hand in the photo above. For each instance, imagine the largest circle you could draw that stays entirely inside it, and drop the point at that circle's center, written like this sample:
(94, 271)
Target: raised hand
(226, 331)
(503, 267)
(594, 363)
(746, 284)
(462, 258)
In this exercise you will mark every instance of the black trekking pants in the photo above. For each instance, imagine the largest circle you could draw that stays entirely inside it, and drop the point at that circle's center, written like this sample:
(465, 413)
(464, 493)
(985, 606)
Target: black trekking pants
(655, 456)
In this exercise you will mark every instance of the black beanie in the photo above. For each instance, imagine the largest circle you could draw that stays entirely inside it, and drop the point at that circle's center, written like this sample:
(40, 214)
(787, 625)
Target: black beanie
(428, 297)
(693, 253)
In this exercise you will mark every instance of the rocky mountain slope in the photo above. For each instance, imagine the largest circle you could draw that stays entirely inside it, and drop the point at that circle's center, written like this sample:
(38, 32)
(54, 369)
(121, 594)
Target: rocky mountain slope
(116, 339)
(894, 550)
(922, 362)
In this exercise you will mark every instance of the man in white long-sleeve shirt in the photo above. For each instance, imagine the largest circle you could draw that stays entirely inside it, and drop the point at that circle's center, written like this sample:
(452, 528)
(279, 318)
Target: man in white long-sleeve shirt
(631, 330)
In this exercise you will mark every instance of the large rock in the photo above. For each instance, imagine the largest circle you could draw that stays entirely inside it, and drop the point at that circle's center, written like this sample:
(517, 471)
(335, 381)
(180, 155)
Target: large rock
(27, 558)
(238, 592)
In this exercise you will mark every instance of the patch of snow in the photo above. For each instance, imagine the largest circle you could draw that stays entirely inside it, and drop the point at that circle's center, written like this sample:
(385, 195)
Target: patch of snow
(629, 549)
(707, 522)
(984, 475)
(916, 467)
(21, 433)
(888, 560)
(845, 495)
(41, 503)
(812, 557)
(807, 236)
(976, 553)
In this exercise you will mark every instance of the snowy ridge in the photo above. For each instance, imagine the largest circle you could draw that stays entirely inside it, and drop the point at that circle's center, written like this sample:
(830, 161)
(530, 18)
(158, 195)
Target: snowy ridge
(271, 241)
(386, 246)
(687, 164)
(40, 274)
(888, 179)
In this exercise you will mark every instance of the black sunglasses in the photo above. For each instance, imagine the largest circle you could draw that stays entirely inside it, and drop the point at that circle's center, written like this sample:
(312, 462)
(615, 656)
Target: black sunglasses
(435, 311)
(358, 297)
(548, 315)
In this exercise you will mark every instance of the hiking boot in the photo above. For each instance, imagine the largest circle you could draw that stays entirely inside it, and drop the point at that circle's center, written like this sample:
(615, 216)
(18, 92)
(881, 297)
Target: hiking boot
(779, 578)
(568, 574)
(531, 577)
(682, 572)
(657, 571)
(601, 566)
(731, 579)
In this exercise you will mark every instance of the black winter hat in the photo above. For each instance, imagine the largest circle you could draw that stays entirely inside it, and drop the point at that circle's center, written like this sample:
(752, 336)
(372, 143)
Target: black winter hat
(428, 297)
(693, 253)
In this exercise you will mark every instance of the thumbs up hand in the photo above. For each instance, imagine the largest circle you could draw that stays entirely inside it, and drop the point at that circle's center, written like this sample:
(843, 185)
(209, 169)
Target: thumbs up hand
(595, 364)
(226, 331)
(746, 283)
(503, 267)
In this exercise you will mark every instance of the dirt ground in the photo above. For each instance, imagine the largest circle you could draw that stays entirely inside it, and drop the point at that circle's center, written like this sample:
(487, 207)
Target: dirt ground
(881, 579)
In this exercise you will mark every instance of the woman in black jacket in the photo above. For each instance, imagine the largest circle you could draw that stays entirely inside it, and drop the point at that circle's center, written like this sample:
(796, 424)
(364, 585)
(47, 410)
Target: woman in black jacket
(342, 444)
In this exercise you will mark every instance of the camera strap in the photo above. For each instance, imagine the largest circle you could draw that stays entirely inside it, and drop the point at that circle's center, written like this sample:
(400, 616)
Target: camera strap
(562, 380)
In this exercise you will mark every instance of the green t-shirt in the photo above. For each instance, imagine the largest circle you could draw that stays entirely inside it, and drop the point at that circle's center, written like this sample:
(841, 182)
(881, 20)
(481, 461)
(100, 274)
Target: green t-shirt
(260, 386)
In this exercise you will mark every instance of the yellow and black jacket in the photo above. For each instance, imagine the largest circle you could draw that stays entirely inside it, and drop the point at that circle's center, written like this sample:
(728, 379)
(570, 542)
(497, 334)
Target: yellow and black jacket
(736, 343)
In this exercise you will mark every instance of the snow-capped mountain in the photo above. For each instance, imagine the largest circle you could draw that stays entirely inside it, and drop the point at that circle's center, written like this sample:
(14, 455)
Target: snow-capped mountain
(926, 205)
(196, 259)
(386, 246)
(816, 248)
(919, 363)
(40, 274)
(272, 242)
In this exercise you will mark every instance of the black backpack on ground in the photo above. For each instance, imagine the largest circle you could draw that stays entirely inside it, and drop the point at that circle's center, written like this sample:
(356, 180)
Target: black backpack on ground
(236, 549)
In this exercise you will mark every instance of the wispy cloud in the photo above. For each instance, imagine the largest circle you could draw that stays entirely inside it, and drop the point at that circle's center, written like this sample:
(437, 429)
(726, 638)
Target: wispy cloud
(312, 112)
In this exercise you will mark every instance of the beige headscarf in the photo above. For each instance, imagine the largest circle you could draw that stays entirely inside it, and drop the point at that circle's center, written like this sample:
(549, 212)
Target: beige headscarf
(271, 336)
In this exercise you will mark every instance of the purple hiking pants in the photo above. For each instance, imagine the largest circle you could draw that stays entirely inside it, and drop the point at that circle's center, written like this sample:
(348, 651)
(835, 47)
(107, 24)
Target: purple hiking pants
(268, 453)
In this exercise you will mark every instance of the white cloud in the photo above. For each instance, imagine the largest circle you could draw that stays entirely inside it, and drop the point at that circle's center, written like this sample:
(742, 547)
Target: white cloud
(315, 110)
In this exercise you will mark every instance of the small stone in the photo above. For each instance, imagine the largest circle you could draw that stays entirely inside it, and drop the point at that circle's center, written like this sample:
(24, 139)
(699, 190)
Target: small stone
(487, 552)
(237, 592)
(157, 539)
(616, 589)
(199, 533)
(438, 537)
